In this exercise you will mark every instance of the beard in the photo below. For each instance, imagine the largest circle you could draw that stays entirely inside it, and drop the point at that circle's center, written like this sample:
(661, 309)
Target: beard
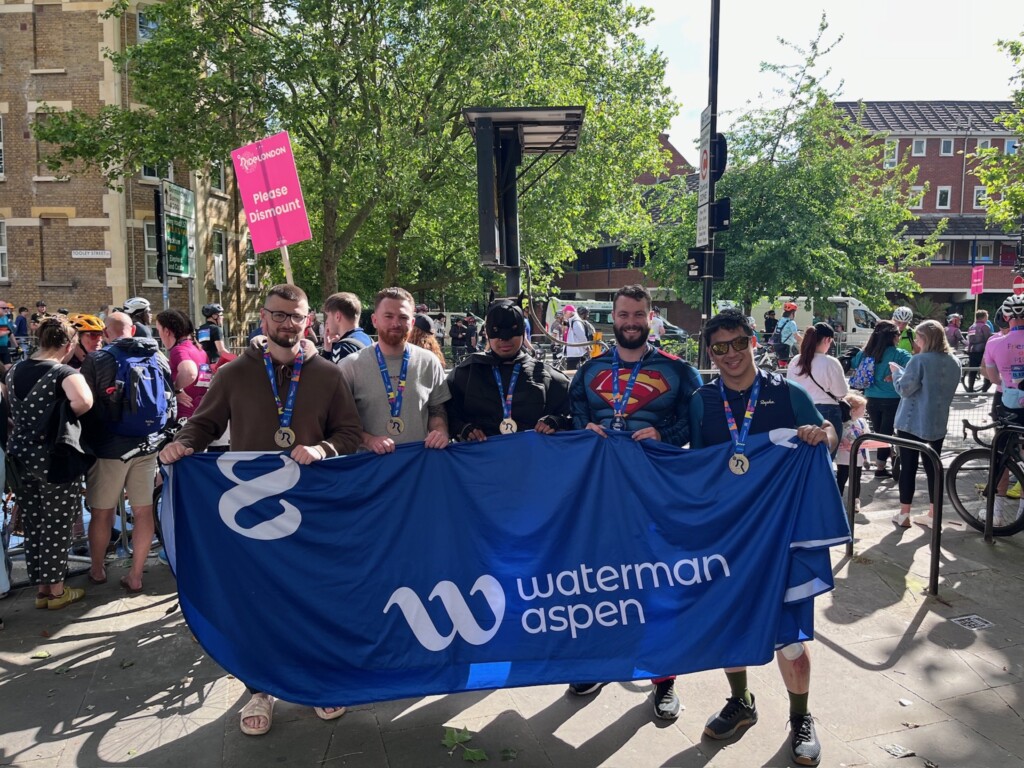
(622, 341)
(394, 338)
(285, 339)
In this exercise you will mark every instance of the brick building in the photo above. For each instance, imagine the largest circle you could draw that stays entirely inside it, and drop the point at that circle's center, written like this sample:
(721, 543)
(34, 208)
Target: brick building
(939, 137)
(69, 239)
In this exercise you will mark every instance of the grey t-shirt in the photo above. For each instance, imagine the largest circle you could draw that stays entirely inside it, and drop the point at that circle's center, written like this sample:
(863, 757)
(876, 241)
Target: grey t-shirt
(425, 386)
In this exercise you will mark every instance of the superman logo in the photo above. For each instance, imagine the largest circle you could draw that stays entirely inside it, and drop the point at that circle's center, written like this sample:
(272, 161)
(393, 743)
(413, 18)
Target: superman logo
(648, 386)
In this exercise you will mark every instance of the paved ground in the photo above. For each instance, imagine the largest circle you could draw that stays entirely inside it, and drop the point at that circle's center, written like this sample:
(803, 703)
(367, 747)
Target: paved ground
(120, 681)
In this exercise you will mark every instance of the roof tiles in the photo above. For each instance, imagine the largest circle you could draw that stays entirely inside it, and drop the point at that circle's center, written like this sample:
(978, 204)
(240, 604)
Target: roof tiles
(927, 116)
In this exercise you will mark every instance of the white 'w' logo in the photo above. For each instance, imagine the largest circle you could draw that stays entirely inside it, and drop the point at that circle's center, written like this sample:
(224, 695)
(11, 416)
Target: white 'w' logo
(463, 622)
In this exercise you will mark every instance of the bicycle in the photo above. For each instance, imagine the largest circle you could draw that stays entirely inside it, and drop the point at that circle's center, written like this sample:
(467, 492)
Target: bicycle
(765, 358)
(972, 477)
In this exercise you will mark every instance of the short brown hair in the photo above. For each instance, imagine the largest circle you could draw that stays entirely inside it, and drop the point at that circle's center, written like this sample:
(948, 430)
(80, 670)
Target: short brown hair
(393, 293)
(177, 322)
(346, 303)
(636, 292)
(56, 332)
(288, 292)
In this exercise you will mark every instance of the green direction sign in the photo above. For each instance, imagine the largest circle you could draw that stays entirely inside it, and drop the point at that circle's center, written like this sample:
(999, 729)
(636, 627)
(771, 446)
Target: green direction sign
(179, 229)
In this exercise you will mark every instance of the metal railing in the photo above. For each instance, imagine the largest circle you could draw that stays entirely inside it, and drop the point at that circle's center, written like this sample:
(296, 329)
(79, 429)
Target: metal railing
(938, 489)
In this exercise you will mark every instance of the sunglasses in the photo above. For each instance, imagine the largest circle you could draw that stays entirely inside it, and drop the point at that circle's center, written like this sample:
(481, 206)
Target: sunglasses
(739, 344)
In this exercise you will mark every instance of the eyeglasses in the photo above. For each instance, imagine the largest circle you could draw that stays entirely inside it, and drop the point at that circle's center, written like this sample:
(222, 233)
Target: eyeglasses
(739, 344)
(280, 317)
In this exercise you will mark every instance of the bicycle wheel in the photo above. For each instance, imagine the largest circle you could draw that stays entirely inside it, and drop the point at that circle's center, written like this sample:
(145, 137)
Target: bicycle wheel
(966, 484)
(965, 382)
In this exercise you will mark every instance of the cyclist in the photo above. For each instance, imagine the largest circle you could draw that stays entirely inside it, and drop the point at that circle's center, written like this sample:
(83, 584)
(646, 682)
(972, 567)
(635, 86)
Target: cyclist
(137, 308)
(786, 334)
(90, 336)
(903, 316)
(210, 335)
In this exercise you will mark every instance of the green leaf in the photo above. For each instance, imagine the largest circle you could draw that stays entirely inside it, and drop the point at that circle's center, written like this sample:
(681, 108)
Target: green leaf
(41, 655)
(474, 755)
(509, 754)
(453, 737)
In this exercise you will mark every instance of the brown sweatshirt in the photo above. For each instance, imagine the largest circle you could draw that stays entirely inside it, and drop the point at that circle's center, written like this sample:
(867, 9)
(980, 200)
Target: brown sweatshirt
(325, 413)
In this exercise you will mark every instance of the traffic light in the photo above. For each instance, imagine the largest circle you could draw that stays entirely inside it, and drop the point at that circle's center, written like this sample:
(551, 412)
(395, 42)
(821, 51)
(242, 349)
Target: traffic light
(719, 155)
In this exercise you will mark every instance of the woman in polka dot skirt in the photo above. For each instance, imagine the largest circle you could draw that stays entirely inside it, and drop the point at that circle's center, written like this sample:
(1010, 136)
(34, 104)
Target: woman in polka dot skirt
(48, 509)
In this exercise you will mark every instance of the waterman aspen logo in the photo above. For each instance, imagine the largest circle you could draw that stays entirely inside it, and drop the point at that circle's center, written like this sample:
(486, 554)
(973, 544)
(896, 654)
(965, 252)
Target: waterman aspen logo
(249, 492)
(463, 622)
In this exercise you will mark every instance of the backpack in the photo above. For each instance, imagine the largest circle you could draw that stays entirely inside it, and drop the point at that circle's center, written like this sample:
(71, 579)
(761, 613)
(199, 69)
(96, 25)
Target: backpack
(863, 375)
(140, 393)
(588, 329)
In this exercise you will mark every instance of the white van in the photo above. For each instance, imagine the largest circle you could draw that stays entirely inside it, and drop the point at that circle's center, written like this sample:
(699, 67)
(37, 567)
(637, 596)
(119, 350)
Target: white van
(850, 316)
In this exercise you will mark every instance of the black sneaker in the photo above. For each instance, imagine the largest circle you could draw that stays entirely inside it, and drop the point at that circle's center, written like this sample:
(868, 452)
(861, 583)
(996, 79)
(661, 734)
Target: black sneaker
(666, 703)
(883, 472)
(584, 689)
(803, 744)
(735, 715)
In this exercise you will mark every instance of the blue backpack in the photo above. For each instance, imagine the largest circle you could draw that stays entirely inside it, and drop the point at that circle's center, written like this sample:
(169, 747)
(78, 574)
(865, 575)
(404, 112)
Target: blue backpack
(140, 393)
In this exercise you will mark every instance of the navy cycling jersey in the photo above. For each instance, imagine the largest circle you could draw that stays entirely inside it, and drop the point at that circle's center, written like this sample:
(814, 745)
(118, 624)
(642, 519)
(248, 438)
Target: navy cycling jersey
(660, 397)
(782, 404)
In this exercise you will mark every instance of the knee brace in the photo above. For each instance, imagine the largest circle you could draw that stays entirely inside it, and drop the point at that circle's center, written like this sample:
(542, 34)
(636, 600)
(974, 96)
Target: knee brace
(793, 651)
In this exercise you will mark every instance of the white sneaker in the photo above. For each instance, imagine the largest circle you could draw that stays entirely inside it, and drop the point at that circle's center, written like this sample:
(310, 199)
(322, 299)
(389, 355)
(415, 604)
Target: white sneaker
(1003, 511)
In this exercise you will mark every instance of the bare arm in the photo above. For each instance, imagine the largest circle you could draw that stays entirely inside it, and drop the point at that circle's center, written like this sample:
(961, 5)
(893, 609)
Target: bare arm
(78, 392)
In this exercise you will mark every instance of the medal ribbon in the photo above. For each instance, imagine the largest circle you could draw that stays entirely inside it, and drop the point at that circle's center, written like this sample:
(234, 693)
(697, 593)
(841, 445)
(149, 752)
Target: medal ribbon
(739, 436)
(506, 400)
(621, 402)
(394, 395)
(284, 412)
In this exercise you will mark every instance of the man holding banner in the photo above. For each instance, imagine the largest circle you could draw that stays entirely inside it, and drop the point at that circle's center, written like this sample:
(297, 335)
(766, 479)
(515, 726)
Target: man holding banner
(743, 401)
(639, 389)
(399, 388)
(311, 422)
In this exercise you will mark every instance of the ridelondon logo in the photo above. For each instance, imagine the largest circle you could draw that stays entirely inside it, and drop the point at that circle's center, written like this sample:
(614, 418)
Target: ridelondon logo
(249, 161)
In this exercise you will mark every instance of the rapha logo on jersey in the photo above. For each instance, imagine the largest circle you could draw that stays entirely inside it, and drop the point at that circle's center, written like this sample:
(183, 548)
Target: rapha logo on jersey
(463, 622)
(249, 492)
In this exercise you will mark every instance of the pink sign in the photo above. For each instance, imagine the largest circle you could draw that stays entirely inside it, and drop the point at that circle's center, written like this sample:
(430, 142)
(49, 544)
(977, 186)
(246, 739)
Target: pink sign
(977, 281)
(271, 194)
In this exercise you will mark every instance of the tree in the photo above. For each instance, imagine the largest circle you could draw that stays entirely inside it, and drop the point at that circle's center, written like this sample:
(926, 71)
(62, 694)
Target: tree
(1002, 174)
(813, 212)
(372, 93)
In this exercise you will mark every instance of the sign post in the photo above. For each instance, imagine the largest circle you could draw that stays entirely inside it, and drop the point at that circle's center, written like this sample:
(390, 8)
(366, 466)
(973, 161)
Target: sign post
(268, 183)
(977, 284)
(1018, 285)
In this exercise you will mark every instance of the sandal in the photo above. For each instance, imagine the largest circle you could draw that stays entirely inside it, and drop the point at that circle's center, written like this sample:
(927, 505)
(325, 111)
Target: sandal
(260, 705)
(323, 714)
(901, 519)
(129, 588)
(93, 580)
(67, 597)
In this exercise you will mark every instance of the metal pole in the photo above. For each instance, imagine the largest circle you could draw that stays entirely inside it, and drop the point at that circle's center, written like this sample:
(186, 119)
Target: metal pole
(287, 265)
(511, 155)
(705, 359)
(161, 243)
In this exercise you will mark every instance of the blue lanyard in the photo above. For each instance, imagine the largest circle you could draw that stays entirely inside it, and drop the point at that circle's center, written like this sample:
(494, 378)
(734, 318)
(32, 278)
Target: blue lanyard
(506, 400)
(394, 395)
(739, 437)
(284, 412)
(621, 402)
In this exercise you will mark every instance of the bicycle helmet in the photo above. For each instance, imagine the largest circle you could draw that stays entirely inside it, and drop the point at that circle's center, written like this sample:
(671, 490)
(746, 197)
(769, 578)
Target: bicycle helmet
(1013, 307)
(136, 304)
(953, 317)
(86, 323)
(903, 314)
(209, 310)
(789, 306)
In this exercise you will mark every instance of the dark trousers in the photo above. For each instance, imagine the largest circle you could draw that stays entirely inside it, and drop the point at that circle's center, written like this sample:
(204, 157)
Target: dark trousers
(842, 475)
(908, 468)
(973, 361)
(882, 414)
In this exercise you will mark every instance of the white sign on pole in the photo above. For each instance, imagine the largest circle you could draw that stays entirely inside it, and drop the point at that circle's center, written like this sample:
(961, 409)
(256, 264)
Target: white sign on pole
(702, 226)
(703, 191)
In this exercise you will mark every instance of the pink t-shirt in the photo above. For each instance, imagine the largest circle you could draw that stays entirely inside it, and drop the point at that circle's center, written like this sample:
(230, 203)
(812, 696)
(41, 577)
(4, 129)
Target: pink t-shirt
(1006, 354)
(186, 350)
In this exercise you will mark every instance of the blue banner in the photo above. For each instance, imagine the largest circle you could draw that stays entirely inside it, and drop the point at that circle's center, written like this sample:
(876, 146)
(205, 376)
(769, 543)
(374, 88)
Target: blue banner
(524, 560)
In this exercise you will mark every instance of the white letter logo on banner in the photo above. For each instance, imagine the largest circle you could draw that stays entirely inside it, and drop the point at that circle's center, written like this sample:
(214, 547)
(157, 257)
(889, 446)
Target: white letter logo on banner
(454, 603)
(249, 492)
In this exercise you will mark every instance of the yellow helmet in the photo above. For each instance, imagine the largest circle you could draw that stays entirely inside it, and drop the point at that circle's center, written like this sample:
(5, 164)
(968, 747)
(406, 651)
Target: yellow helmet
(83, 323)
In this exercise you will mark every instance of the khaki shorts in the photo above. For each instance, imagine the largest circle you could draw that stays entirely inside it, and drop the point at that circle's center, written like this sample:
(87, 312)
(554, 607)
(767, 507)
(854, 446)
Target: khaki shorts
(108, 477)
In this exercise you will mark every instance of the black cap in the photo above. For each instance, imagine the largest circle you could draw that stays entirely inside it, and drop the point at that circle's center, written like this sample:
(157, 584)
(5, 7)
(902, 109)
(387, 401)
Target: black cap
(505, 320)
(40, 303)
(424, 323)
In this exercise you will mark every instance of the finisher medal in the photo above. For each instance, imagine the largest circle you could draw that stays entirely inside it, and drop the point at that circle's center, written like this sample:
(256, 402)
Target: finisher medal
(739, 464)
(395, 426)
(285, 437)
(508, 426)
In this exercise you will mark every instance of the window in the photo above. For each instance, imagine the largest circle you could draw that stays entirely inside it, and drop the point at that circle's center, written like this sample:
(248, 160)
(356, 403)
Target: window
(942, 197)
(979, 197)
(157, 171)
(1011, 146)
(946, 147)
(916, 198)
(984, 143)
(983, 253)
(217, 176)
(219, 247)
(146, 26)
(942, 256)
(149, 232)
(1, 145)
(891, 154)
(919, 147)
(3, 250)
(251, 274)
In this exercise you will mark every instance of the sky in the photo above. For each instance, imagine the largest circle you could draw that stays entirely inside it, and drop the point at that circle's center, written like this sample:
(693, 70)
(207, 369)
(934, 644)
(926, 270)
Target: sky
(891, 50)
